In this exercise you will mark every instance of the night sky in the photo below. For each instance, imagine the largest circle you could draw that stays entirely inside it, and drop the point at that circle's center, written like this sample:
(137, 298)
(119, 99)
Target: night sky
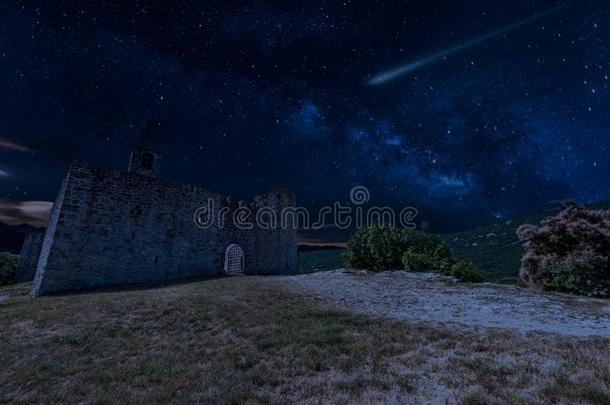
(255, 95)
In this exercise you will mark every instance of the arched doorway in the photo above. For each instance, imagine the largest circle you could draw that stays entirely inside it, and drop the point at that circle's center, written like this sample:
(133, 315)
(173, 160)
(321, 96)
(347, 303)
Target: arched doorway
(234, 259)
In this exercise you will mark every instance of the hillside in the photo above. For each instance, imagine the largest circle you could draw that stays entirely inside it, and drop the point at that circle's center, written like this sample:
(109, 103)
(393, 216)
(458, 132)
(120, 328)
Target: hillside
(495, 248)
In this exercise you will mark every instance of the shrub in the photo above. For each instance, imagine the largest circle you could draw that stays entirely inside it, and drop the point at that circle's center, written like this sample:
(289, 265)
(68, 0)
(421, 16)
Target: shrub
(426, 261)
(568, 252)
(8, 268)
(382, 248)
(425, 252)
(467, 272)
(424, 243)
(377, 248)
(417, 262)
(580, 275)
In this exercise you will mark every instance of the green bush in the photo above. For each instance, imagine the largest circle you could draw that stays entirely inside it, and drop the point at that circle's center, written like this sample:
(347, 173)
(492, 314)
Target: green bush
(377, 248)
(8, 268)
(425, 252)
(427, 262)
(417, 262)
(382, 248)
(424, 243)
(580, 275)
(467, 272)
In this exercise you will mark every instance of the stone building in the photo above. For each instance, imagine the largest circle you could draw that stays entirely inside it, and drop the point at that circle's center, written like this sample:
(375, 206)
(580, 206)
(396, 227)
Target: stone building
(28, 259)
(113, 228)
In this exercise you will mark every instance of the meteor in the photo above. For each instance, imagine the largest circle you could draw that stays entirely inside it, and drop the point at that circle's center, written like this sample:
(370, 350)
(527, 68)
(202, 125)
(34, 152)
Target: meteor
(424, 61)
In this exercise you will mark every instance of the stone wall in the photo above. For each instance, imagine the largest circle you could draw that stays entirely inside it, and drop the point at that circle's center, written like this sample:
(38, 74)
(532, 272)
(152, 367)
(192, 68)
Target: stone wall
(275, 249)
(115, 228)
(28, 259)
(48, 239)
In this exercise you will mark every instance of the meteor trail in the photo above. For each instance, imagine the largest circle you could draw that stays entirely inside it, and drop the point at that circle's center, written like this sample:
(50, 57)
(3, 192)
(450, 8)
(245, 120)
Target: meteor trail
(409, 67)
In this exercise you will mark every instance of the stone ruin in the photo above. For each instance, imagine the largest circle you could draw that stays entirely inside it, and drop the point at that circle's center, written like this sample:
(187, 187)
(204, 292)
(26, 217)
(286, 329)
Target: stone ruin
(28, 259)
(114, 228)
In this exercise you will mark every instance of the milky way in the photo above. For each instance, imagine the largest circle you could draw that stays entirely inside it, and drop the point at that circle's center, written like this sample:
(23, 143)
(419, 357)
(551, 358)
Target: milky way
(257, 95)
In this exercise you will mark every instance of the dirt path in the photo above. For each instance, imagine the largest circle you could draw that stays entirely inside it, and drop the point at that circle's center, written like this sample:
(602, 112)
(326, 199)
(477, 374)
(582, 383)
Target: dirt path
(437, 299)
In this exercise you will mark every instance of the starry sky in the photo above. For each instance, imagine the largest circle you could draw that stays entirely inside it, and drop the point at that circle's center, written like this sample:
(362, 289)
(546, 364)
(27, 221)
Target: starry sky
(254, 95)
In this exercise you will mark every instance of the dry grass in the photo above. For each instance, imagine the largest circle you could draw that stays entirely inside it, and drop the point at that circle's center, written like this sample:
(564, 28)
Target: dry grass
(248, 339)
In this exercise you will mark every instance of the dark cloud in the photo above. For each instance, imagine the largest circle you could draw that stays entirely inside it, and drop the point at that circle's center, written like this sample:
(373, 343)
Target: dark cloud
(7, 144)
(35, 213)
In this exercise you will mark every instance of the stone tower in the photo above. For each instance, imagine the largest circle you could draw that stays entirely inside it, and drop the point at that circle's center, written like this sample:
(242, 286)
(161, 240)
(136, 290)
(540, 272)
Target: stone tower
(145, 158)
(111, 228)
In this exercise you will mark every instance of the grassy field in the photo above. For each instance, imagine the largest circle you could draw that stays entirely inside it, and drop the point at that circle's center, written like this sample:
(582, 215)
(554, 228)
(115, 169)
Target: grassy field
(247, 339)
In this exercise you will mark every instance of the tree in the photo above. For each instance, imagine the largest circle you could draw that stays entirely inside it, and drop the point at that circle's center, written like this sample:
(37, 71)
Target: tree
(568, 252)
(8, 268)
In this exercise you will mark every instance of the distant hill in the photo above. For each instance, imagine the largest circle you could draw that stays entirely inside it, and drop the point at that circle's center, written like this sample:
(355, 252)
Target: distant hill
(11, 237)
(309, 248)
(495, 248)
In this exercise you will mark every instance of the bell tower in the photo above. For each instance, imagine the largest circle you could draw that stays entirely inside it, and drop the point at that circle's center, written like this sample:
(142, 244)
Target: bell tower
(145, 157)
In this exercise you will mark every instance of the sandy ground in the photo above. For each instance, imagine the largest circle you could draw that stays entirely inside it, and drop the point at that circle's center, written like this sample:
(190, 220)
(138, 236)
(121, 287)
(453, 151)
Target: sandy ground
(436, 299)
